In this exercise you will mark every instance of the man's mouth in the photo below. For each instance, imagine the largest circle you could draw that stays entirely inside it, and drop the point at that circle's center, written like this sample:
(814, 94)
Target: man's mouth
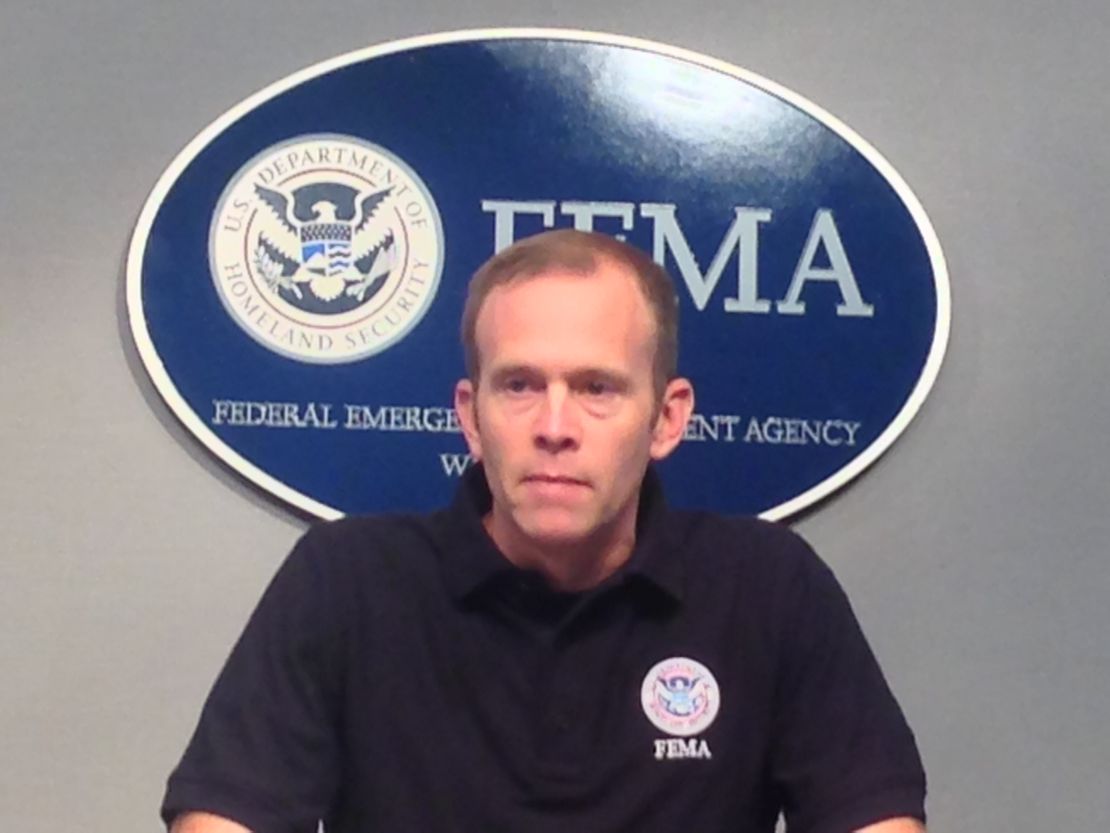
(555, 480)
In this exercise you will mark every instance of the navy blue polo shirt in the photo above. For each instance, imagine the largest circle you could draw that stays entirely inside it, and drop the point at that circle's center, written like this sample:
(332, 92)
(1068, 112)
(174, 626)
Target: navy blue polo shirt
(400, 675)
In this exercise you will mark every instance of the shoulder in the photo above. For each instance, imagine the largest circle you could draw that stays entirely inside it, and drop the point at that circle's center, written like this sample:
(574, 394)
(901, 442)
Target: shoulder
(365, 530)
(748, 570)
(364, 555)
(368, 541)
(727, 544)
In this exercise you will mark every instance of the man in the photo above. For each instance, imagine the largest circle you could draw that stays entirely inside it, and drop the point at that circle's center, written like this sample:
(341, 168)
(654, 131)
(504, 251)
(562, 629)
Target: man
(557, 650)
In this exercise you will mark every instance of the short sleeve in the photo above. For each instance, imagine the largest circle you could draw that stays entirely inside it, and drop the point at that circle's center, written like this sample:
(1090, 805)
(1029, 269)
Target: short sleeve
(265, 752)
(844, 756)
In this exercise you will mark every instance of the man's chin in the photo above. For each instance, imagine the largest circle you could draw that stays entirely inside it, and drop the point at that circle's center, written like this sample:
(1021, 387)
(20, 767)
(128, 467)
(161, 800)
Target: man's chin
(555, 528)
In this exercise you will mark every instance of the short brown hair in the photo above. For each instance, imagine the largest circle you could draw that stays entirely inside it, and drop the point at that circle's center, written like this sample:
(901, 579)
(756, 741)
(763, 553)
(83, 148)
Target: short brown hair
(580, 252)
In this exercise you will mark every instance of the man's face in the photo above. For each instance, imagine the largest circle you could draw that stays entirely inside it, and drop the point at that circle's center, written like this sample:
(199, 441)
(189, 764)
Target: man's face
(564, 416)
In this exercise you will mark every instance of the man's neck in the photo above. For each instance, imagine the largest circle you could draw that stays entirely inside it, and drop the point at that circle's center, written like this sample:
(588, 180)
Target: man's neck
(568, 567)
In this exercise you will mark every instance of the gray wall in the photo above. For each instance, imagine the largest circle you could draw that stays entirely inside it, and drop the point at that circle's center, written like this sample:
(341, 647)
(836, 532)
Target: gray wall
(974, 551)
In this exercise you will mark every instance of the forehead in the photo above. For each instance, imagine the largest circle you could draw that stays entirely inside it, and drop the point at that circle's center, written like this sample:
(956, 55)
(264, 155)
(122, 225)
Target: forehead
(602, 314)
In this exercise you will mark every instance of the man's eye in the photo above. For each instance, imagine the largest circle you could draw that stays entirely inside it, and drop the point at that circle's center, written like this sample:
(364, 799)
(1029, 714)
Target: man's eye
(516, 385)
(597, 388)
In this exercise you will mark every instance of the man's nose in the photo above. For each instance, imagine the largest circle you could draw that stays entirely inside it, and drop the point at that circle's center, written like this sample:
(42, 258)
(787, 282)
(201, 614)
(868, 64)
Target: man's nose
(557, 425)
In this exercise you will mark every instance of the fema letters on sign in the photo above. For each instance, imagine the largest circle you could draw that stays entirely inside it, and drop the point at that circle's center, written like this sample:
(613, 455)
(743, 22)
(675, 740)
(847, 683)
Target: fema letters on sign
(822, 257)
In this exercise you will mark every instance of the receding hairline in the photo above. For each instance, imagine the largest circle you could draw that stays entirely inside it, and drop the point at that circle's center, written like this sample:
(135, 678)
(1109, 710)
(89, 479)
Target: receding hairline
(603, 265)
(574, 252)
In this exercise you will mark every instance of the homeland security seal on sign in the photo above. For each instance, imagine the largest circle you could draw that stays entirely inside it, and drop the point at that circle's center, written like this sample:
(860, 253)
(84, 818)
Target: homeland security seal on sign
(326, 248)
(680, 696)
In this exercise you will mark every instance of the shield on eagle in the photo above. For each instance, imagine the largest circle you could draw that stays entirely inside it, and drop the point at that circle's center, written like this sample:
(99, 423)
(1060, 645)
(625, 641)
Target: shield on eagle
(326, 246)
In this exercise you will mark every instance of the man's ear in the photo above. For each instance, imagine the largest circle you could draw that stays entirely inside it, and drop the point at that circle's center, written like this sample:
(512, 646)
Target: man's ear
(467, 410)
(674, 413)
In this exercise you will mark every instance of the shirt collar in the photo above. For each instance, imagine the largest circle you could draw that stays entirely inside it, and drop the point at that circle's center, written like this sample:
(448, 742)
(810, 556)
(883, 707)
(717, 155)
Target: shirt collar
(472, 560)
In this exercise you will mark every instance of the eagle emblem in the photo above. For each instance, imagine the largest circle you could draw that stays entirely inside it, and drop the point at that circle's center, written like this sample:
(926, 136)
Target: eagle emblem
(326, 247)
(680, 696)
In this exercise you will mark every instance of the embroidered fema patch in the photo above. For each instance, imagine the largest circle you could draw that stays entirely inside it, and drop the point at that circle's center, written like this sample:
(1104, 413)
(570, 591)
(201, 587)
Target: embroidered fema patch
(680, 696)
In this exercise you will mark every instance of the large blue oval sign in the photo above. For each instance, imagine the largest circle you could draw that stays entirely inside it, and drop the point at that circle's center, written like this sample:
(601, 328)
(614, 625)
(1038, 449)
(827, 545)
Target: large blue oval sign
(296, 278)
